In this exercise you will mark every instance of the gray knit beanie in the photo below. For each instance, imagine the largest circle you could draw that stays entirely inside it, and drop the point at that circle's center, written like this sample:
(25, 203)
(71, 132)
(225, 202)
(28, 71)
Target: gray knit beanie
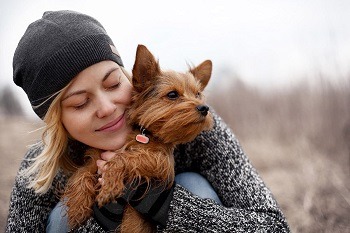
(54, 49)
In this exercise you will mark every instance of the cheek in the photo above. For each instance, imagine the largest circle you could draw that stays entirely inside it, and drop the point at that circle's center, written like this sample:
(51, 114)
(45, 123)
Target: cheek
(127, 94)
(77, 125)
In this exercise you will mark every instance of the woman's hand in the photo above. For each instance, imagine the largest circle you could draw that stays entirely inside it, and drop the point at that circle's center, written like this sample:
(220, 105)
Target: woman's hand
(101, 163)
(152, 195)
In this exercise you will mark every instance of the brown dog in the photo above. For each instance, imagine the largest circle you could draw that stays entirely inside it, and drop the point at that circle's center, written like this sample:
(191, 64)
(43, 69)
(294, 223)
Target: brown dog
(169, 106)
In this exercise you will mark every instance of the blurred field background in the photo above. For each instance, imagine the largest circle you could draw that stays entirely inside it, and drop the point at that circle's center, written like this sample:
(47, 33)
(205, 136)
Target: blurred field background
(299, 140)
(297, 137)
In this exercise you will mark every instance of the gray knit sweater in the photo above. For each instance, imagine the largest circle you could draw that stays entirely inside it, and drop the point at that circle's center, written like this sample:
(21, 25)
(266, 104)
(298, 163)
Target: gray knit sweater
(248, 204)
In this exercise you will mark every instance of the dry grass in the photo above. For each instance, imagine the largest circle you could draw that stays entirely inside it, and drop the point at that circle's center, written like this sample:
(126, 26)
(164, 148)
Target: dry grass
(298, 139)
(15, 135)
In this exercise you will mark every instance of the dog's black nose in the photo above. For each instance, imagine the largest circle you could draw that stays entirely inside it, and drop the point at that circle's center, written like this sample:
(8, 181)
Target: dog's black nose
(203, 109)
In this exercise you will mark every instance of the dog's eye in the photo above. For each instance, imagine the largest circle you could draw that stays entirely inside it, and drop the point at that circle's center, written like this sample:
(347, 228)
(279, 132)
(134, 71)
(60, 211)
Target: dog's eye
(198, 95)
(173, 95)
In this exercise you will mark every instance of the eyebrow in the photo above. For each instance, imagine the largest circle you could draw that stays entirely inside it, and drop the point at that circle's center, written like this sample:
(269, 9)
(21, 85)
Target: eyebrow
(108, 73)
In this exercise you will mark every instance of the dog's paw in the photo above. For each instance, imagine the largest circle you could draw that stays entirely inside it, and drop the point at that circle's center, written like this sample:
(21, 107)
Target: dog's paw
(102, 199)
(107, 194)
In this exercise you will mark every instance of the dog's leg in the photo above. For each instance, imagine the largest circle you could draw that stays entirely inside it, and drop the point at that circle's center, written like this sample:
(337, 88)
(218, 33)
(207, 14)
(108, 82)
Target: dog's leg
(80, 193)
(135, 222)
(113, 181)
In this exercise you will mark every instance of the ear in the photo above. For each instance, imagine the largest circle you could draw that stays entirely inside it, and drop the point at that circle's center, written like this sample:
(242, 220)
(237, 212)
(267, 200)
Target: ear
(145, 68)
(203, 72)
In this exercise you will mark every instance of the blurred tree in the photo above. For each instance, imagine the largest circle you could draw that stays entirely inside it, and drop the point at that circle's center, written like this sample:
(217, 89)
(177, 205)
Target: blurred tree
(9, 104)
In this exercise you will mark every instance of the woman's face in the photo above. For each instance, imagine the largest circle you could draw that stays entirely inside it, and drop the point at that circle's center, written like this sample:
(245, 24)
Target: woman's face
(93, 106)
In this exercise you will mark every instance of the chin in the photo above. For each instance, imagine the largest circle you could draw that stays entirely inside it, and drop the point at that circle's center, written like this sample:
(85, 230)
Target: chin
(113, 144)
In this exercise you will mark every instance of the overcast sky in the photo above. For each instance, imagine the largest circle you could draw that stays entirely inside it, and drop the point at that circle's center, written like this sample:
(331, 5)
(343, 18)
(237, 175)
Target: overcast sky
(268, 43)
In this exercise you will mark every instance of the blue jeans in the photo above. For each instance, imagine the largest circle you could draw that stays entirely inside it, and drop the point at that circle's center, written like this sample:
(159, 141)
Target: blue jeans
(193, 182)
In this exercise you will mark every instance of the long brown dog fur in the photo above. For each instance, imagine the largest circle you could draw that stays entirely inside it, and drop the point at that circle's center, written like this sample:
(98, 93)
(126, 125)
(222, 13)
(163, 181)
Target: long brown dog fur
(167, 104)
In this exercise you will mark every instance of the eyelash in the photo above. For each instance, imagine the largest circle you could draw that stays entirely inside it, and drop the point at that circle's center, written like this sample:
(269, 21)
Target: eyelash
(81, 106)
(114, 86)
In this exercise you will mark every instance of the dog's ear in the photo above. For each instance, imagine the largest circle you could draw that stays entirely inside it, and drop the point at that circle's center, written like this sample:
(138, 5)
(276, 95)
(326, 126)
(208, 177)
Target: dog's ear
(203, 72)
(145, 68)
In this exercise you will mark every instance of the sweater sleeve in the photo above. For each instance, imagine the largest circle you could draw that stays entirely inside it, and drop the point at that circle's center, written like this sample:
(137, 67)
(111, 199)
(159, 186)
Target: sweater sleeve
(248, 205)
(29, 211)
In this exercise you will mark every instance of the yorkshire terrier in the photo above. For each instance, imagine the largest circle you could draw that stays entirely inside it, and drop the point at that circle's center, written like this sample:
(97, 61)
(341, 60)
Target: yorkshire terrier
(168, 109)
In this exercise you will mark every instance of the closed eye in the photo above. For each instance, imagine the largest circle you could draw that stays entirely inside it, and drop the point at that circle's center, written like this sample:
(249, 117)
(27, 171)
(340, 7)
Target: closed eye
(113, 86)
(82, 105)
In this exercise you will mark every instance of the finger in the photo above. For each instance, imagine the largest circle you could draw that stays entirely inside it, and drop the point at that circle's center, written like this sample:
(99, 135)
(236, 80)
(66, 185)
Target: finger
(101, 181)
(107, 155)
(100, 166)
(100, 163)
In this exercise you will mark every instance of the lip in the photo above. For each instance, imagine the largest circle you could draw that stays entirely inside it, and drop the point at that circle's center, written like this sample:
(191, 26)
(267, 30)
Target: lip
(113, 125)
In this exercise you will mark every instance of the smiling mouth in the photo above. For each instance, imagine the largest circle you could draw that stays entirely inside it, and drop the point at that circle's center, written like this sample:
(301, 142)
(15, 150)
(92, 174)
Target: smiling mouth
(113, 124)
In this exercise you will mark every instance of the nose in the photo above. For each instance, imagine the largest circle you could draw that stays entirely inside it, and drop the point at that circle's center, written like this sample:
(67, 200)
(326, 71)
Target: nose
(203, 109)
(105, 107)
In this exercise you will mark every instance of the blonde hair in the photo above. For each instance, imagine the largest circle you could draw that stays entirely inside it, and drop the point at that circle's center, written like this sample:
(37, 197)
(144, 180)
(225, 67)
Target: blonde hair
(54, 155)
(55, 140)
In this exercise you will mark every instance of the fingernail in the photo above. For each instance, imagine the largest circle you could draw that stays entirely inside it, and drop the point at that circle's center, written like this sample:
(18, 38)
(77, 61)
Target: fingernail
(101, 181)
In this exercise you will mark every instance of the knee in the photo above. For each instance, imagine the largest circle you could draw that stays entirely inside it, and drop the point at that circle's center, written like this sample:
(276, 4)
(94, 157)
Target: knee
(58, 221)
(197, 184)
(189, 178)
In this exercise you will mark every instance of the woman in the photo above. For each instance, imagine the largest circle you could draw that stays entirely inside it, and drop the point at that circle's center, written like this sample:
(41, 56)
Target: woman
(75, 81)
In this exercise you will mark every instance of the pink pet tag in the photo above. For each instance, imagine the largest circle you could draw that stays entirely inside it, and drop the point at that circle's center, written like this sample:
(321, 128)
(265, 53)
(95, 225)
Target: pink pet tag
(142, 138)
